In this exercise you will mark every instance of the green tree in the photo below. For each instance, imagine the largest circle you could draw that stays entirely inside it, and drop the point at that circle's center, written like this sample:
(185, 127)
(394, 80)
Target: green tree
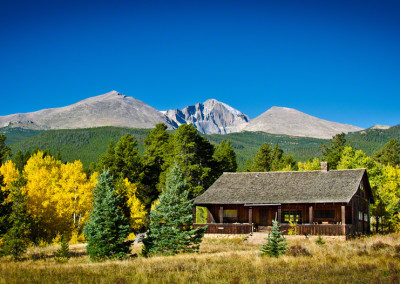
(107, 161)
(225, 157)
(5, 208)
(16, 239)
(263, 159)
(333, 152)
(107, 229)
(127, 160)
(153, 160)
(5, 151)
(276, 244)
(194, 155)
(390, 154)
(20, 159)
(62, 254)
(171, 220)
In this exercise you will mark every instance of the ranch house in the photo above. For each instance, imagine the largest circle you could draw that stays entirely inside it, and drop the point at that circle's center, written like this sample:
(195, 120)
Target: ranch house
(325, 202)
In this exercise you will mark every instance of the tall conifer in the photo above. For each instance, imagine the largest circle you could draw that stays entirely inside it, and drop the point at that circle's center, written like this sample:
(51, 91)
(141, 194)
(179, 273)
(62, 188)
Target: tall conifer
(171, 227)
(108, 228)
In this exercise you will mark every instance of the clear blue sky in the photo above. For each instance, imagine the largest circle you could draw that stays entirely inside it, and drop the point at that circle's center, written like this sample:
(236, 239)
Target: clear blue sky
(337, 60)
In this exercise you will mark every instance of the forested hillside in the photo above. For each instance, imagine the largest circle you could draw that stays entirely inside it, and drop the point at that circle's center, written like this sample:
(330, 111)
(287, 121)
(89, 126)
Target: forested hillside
(370, 140)
(88, 144)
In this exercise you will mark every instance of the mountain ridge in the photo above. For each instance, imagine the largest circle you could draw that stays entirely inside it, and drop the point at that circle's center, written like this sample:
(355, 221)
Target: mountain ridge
(209, 117)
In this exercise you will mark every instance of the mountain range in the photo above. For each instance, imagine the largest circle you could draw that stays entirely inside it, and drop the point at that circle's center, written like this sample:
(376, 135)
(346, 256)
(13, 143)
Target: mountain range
(210, 117)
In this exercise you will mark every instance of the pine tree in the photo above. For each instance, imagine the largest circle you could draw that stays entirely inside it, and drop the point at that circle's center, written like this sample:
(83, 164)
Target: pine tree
(20, 159)
(108, 160)
(153, 161)
(194, 155)
(5, 208)
(127, 160)
(107, 229)
(276, 244)
(16, 239)
(62, 254)
(390, 154)
(263, 159)
(171, 220)
(333, 152)
(5, 151)
(225, 157)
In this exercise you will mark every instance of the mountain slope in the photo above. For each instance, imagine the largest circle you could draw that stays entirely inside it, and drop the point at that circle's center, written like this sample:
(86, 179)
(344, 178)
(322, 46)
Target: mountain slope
(281, 120)
(110, 109)
(210, 117)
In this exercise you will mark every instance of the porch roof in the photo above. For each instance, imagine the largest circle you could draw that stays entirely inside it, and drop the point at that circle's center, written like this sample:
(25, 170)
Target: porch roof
(337, 186)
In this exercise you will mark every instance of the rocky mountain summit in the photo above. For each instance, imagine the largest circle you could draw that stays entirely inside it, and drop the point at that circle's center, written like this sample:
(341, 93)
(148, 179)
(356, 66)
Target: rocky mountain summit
(210, 117)
(288, 121)
(110, 109)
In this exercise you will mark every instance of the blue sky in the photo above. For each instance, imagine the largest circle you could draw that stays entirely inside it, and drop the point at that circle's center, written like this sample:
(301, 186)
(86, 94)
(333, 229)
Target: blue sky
(337, 60)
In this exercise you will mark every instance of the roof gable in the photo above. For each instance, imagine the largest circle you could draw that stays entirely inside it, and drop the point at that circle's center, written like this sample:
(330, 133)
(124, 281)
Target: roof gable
(337, 186)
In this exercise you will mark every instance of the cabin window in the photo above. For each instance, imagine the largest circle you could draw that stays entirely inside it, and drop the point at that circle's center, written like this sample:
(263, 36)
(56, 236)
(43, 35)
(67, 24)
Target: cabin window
(324, 214)
(366, 217)
(230, 213)
(292, 216)
(360, 216)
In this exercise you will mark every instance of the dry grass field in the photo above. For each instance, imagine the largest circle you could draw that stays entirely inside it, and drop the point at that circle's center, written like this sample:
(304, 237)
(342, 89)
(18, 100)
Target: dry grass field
(368, 260)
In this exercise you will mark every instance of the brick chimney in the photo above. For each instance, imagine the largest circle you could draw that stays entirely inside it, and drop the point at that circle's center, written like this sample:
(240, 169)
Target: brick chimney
(324, 166)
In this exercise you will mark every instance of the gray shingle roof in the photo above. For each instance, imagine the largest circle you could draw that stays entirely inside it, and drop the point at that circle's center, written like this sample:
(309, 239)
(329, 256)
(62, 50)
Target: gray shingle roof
(336, 186)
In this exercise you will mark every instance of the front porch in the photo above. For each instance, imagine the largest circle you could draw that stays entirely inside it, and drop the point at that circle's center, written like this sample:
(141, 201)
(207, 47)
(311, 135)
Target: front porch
(301, 229)
(310, 219)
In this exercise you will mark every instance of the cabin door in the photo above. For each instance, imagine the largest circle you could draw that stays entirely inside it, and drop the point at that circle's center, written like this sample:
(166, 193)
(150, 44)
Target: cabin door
(263, 211)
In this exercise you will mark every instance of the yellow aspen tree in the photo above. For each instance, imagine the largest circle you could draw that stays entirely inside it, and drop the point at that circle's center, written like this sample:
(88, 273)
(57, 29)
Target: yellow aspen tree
(74, 195)
(42, 174)
(313, 165)
(137, 211)
(10, 174)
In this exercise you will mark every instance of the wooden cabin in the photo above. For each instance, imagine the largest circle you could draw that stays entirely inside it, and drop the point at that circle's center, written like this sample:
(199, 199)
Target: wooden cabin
(326, 202)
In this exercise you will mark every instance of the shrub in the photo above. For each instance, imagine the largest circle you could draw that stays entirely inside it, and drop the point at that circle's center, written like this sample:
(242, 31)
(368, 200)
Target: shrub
(298, 250)
(379, 245)
(320, 241)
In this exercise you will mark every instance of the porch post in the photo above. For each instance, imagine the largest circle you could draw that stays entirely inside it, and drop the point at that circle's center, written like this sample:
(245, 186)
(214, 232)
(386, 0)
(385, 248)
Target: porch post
(279, 214)
(343, 215)
(310, 215)
(221, 214)
(250, 215)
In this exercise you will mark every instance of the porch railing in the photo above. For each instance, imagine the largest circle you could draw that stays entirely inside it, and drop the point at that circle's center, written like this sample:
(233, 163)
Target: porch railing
(226, 228)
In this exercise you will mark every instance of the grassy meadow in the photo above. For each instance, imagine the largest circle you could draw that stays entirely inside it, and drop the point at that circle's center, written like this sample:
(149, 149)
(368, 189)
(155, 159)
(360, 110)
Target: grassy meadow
(229, 260)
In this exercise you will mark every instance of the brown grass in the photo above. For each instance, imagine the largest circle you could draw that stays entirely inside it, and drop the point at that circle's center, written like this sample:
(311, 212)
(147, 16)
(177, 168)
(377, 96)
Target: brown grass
(221, 261)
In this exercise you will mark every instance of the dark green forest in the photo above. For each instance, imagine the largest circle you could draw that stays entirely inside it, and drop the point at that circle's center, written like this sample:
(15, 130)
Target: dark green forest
(89, 144)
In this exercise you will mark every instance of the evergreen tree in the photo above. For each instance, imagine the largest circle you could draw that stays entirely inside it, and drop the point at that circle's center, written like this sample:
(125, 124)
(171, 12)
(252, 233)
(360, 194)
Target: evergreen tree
(107, 228)
(153, 160)
(108, 160)
(5, 208)
(263, 160)
(16, 239)
(333, 152)
(276, 244)
(277, 159)
(62, 254)
(194, 155)
(390, 154)
(127, 160)
(225, 157)
(5, 151)
(20, 159)
(172, 220)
